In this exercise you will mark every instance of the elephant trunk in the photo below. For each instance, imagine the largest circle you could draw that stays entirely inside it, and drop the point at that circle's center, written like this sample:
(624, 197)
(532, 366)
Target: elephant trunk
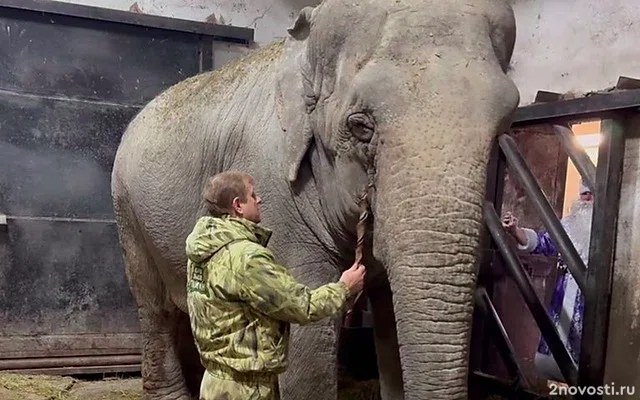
(428, 223)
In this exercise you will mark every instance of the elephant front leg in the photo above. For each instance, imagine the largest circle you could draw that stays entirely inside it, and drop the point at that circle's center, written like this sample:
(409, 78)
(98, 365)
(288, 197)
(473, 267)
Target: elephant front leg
(313, 358)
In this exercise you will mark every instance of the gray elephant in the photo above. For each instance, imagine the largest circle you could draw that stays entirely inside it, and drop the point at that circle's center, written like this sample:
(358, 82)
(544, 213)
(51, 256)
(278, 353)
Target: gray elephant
(403, 97)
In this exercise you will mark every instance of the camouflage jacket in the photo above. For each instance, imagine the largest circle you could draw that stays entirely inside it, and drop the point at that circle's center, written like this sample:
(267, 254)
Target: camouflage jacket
(241, 301)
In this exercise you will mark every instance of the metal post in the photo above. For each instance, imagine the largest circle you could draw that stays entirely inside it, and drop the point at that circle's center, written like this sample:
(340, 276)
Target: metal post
(580, 159)
(552, 223)
(597, 292)
(482, 342)
(567, 366)
(504, 343)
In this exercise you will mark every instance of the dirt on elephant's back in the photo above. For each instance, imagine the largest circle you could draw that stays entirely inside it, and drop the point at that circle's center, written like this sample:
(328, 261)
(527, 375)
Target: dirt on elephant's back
(209, 85)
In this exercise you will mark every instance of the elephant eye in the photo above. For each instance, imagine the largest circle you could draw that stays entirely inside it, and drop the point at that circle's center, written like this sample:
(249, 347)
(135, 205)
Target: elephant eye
(361, 126)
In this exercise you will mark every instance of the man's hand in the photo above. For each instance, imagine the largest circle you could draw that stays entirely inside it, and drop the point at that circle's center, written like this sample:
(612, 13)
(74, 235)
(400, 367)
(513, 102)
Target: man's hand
(510, 224)
(354, 278)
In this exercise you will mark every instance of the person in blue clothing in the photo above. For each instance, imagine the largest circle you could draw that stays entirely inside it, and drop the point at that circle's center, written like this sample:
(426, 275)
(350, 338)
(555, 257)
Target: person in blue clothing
(567, 304)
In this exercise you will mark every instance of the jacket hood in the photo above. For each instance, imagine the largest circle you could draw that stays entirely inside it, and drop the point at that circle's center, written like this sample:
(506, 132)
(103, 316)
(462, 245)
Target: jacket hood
(210, 234)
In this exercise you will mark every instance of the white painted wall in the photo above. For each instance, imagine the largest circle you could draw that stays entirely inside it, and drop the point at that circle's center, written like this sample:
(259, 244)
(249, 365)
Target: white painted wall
(574, 45)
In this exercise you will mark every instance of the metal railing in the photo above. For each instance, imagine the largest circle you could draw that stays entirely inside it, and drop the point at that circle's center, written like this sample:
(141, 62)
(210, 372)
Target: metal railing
(595, 282)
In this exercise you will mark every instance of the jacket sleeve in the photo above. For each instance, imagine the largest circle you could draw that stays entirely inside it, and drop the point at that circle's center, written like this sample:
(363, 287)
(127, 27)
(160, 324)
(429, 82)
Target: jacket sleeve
(271, 289)
(546, 245)
(538, 243)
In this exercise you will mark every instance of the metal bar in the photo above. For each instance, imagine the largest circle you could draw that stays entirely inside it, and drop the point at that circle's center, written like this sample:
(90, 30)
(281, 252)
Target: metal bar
(578, 155)
(88, 370)
(64, 362)
(228, 33)
(602, 256)
(567, 366)
(482, 341)
(504, 343)
(551, 222)
(583, 108)
(6, 218)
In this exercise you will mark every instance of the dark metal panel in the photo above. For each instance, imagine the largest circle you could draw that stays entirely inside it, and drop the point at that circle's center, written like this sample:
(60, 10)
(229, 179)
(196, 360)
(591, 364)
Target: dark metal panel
(92, 344)
(64, 278)
(601, 256)
(218, 32)
(63, 56)
(60, 154)
(595, 106)
(70, 81)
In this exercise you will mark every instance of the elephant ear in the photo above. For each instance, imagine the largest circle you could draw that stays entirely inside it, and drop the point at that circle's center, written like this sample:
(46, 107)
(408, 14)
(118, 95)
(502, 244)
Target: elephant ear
(292, 85)
(301, 27)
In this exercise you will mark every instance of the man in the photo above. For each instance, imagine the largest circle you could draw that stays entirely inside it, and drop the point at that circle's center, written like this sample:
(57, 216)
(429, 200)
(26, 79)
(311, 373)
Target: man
(241, 301)
(567, 303)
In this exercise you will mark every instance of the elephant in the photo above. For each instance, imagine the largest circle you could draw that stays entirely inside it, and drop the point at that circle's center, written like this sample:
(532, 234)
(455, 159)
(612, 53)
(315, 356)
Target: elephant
(399, 99)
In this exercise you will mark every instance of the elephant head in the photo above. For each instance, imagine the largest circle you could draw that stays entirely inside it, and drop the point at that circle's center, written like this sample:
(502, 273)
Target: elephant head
(406, 96)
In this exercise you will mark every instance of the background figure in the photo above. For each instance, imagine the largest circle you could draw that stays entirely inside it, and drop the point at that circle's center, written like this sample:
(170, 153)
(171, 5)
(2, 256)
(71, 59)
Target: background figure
(567, 304)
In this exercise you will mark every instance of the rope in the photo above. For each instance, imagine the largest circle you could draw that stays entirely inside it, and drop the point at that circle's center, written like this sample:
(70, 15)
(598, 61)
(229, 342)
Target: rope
(360, 231)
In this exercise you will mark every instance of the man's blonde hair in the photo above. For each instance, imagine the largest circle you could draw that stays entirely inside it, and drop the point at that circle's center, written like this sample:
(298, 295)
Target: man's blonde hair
(220, 190)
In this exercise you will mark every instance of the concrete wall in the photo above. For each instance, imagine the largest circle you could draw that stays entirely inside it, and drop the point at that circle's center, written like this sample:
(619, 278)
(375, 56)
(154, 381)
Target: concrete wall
(574, 45)
(269, 18)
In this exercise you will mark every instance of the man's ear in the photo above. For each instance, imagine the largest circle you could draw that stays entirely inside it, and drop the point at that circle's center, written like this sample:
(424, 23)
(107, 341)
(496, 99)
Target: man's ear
(235, 204)
(301, 27)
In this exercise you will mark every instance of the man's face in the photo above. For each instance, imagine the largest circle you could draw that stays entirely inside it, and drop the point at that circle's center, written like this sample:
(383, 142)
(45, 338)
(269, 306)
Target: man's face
(249, 209)
(586, 196)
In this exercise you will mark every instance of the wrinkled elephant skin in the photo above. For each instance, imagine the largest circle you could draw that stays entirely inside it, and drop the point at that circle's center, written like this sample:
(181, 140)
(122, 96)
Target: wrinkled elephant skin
(404, 95)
